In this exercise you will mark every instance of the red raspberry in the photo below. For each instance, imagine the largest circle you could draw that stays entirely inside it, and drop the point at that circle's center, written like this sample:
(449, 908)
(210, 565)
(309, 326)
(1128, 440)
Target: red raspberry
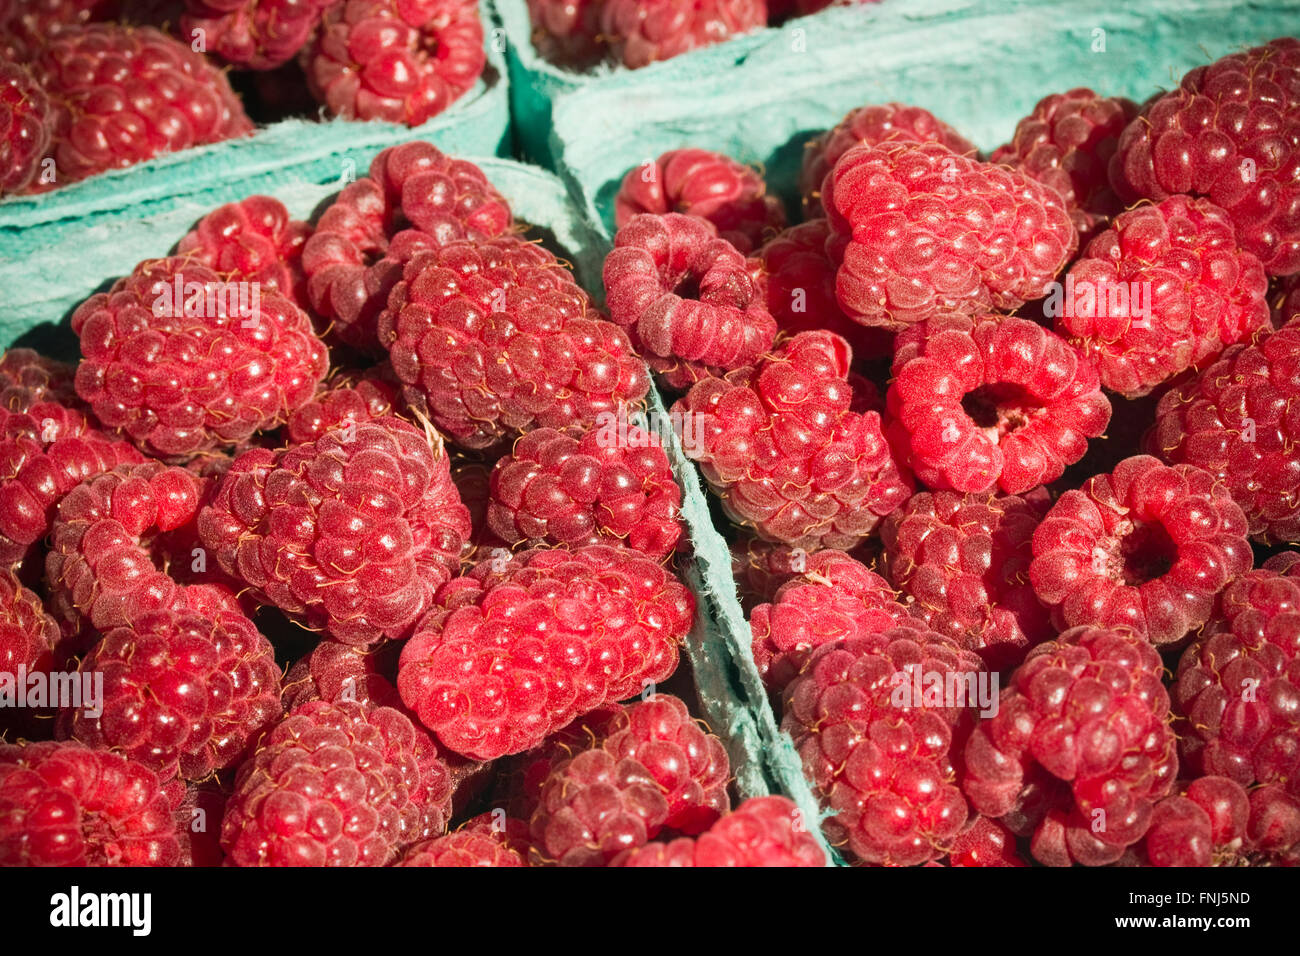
(575, 490)
(1067, 142)
(520, 647)
(567, 32)
(414, 197)
(27, 378)
(697, 182)
(763, 831)
(63, 804)
(252, 241)
(1237, 420)
(333, 784)
(27, 25)
(1164, 289)
(341, 672)
(685, 295)
(643, 31)
(480, 842)
(786, 452)
(986, 843)
(25, 123)
(880, 760)
(496, 337)
(1088, 708)
(28, 639)
(925, 230)
(404, 61)
(962, 562)
(679, 852)
(352, 533)
(520, 778)
(1230, 132)
(1147, 546)
(871, 126)
(991, 402)
(254, 34)
(1203, 825)
(1273, 831)
(345, 397)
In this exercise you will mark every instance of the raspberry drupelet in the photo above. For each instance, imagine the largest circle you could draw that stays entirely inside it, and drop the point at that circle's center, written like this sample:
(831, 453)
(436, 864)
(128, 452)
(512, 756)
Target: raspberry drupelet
(641, 32)
(254, 34)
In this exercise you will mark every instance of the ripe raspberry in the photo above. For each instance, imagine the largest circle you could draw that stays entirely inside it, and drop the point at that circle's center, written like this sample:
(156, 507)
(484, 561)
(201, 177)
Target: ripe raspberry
(696, 182)
(986, 843)
(991, 402)
(403, 61)
(335, 671)
(26, 25)
(63, 804)
(643, 31)
(786, 452)
(254, 34)
(1237, 421)
(1273, 831)
(333, 784)
(1067, 142)
(574, 490)
(28, 639)
(880, 759)
(685, 295)
(924, 230)
(679, 852)
(763, 831)
(518, 648)
(27, 378)
(1147, 546)
(1230, 132)
(347, 397)
(1203, 825)
(567, 32)
(871, 126)
(1164, 289)
(25, 123)
(495, 337)
(480, 842)
(352, 533)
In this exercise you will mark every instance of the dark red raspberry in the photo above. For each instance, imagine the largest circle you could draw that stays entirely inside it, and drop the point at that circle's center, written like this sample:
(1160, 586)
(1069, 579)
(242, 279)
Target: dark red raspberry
(991, 402)
(25, 125)
(567, 32)
(342, 672)
(28, 639)
(1273, 831)
(27, 377)
(763, 831)
(253, 241)
(962, 563)
(63, 804)
(520, 778)
(254, 34)
(1067, 142)
(924, 230)
(26, 25)
(352, 533)
(1202, 825)
(643, 31)
(1229, 132)
(697, 182)
(483, 841)
(1164, 289)
(879, 754)
(1089, 709)
(404, 61)
(871, 126)
(1147, 546)
(679, 852)
(522, 645)
(575, 490)
(495, 337)
(786, 452)
(985, 843)
(346, 397)
(686, 296)
(1238, 420)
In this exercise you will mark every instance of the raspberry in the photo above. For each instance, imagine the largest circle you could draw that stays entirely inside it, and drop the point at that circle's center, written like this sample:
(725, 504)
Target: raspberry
(27, 378)
(986, 843)
(880, 760)
(679, 852)
(685, 295)
(63, 804)
(335, 671)
(1207, 821)
(871, 126)
(1230, 132)
(1067, 142)
(25, 122)
(1147, 546)
(28, 639)
(333, 784)
(520, 781)
(763, 831)
(255, 34)
(991, 401)
(518, 648)
(352, 533)
(1164, 289)
(1089, 709)
(495, 337)
(696, 182)
(1237, 421)
(180, 377)
(1273, 830)
(480, 842)
(925, 230)
(575, 490)
(643, 31)
(962, 563)
(121, 95)
(403, 61)
(346, 397)
(26, 25)
(198, 825)
(183, 692)
(787, 454)
(567, 32)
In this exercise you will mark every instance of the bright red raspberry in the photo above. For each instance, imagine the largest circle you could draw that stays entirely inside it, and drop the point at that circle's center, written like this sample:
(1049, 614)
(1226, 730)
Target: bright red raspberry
(403, 61)
(985, 843)
(480, 842)
(521, 646)
(1164, 289)
(789, 456)
(567, 32)
(352, 533)
(1229, 132)
(763, 831)
(346, 397)
(25, 127)
(63, 804)
(253, 34)
(679, 852)
(1147, 546)
(28, 639)
(924, 230)
(252, 241)
(643, 31)
(574, 490)
(1203, 824)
